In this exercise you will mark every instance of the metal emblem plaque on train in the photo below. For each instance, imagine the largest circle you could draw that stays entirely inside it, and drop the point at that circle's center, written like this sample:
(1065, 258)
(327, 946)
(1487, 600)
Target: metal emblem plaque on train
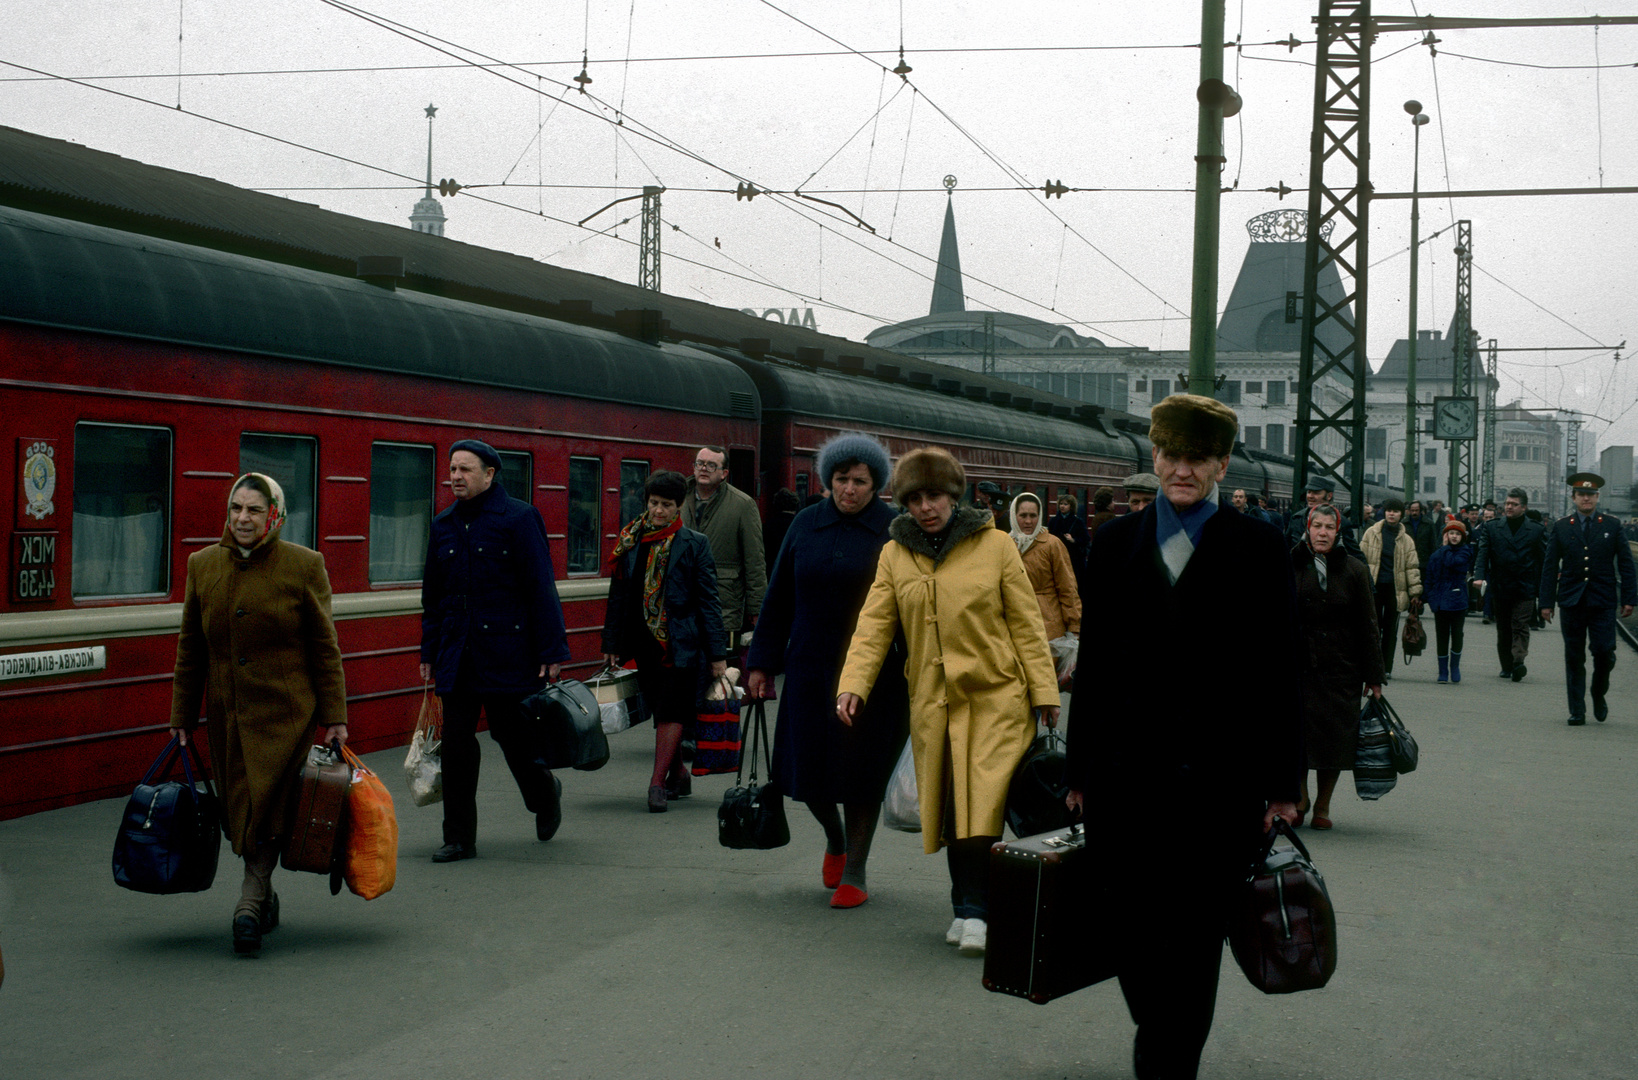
(39, 466)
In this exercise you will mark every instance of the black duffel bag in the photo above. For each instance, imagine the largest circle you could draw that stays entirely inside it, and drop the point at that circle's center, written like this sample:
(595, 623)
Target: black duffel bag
(752, 815)
(171, 834)
(1035, 797)
(1283, 931)
(570, 725)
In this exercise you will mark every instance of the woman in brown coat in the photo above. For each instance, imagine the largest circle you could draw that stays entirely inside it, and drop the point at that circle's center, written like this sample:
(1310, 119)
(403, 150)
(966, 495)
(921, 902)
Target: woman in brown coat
(258, 648)
(1051, 572)
(1338, 619)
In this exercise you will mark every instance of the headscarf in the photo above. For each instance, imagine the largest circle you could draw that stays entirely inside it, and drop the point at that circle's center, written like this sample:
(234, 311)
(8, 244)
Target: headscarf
(659, 554)
(1025, 539)
(275, 512)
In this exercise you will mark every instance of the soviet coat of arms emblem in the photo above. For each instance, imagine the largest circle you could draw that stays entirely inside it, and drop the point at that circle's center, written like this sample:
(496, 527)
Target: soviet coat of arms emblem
(39, 480)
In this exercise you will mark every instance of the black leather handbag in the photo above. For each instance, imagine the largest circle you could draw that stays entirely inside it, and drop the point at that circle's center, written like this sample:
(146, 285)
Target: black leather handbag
(752, 815)
(570, 725)
(1283, 931)
(1035, 796)
(1402, 748)
(171, 834)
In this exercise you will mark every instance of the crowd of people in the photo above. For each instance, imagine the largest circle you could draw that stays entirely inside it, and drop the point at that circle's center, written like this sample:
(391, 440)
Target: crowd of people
(929, 620)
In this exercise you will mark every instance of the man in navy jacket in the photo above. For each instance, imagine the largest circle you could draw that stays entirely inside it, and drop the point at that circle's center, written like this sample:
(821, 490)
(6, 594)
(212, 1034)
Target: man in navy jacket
(491, 632)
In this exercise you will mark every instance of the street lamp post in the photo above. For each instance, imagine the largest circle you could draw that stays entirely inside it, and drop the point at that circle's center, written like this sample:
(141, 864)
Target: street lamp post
(1418, 119)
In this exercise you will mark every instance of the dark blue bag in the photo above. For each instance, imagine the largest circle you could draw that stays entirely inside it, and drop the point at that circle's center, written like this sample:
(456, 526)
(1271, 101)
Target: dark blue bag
(171, 834)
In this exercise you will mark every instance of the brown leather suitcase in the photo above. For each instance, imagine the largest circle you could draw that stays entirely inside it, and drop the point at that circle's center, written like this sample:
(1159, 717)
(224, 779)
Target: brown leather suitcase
(1043, 938)
(318, 823)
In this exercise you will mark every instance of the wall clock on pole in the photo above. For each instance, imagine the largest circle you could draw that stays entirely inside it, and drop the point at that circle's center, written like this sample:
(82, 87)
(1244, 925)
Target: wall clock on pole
(1455, 418)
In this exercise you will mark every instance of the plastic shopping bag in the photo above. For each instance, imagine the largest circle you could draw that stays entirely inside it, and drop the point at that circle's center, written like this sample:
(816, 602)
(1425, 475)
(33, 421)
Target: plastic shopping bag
(372, 833)
(423, 765)
(901, 808)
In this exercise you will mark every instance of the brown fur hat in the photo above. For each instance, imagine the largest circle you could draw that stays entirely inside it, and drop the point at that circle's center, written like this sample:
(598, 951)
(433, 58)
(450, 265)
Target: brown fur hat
(928, 468)
(1190, 425)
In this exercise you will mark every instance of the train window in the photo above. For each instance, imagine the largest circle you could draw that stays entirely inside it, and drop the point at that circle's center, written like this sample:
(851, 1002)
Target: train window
(742, 470)
(122, 499)
(633, 475)
(401, 483)
(292, 461)
(585, 514)
(1276, 393)
(802, 487)
(517, 474)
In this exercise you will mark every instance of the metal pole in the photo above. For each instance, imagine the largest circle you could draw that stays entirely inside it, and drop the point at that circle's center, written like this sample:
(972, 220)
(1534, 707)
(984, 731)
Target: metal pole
(1208, 159)
(1410, 364)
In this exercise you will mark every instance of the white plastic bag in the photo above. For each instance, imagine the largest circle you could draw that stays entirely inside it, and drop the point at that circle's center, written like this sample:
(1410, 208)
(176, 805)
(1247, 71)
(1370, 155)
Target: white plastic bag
(423, 765)
(901, 808)
(1065, 653)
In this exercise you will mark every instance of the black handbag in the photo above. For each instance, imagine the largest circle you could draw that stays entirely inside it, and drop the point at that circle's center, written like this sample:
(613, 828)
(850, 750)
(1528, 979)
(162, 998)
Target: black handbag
(570, 725)
(171, 834)
(1035, 796)
(1414, 639)
(752, 815)
(1283, 930)
(1402, 748)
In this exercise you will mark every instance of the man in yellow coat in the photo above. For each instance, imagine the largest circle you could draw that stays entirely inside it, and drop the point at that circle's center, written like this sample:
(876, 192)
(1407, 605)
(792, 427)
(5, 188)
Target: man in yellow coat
(978, 668)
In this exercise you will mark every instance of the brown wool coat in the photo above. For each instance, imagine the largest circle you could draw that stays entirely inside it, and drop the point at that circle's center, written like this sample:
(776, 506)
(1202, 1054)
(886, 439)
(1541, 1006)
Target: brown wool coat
(1052, 576)
(258, 649)
(1341, 653)
(977, 663)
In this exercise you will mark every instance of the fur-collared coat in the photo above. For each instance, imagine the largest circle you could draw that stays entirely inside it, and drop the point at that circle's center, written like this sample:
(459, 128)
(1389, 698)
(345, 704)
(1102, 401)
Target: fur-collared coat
(259, 651)
(978, 664)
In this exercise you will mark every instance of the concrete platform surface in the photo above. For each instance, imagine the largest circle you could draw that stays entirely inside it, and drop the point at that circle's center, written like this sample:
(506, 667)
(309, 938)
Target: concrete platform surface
(1488, 928)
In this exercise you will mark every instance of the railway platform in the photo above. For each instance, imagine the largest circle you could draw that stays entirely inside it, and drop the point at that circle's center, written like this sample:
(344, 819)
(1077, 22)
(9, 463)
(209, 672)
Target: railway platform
(1486, 920)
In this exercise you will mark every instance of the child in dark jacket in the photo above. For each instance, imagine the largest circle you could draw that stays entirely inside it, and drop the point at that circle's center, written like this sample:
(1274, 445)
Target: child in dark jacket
(1444, 588)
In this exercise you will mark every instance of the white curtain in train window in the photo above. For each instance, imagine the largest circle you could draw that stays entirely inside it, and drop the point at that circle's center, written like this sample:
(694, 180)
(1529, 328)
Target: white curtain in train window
(121, 509)
(293, 462)
(119, 554)
(401, 479)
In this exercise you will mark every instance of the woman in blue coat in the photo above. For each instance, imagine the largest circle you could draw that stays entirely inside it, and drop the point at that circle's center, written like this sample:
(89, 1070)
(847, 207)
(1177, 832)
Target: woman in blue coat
(825, 567)
(1444, 589)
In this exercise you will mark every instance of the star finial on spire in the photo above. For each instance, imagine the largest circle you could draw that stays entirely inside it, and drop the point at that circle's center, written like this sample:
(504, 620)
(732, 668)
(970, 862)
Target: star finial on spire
(432, 110)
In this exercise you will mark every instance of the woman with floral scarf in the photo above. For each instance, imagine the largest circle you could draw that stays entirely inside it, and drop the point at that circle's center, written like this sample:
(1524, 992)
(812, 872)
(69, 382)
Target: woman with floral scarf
(663, 612)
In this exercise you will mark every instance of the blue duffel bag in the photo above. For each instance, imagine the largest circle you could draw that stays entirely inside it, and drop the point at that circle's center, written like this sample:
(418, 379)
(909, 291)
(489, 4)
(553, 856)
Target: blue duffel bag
(171, 834)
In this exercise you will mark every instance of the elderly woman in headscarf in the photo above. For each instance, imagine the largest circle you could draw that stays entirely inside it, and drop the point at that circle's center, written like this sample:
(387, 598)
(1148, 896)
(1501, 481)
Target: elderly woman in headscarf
(1051, 573)
(824, 569)
(977, 662)
(1337, 609)
(259, 650)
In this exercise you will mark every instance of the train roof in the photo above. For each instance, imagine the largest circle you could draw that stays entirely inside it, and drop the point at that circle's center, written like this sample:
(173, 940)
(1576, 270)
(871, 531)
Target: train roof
(82, 276)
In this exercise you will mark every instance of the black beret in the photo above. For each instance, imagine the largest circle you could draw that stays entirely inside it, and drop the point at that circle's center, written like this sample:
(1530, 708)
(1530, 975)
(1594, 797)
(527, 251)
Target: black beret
(480, 449)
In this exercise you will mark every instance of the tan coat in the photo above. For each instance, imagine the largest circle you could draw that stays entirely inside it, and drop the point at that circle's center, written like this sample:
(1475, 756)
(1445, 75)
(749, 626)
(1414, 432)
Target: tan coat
(1407, 570)
(1052, 577)
(258, 648)
(978, 662)
(734, 529)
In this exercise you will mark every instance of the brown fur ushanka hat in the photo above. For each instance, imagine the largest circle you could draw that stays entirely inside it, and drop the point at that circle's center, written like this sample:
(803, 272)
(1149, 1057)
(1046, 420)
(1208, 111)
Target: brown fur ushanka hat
(1190, 425)
(928, 468)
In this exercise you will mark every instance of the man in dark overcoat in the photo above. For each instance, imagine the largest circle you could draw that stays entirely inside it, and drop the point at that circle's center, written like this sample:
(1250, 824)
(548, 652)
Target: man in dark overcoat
(491, 632)
(1508, 566)
(1587, 564)
(1207, 600)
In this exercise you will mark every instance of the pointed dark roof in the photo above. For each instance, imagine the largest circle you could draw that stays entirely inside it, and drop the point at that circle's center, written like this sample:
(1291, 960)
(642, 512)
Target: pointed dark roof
(1433, 356)
(1254, 317)
(947, 292)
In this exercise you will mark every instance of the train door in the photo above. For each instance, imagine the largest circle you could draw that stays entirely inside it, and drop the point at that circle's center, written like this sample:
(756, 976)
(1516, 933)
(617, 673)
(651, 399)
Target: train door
(742, 469)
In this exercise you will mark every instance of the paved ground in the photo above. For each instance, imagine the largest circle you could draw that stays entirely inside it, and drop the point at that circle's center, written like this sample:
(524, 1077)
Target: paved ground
(1488, 929)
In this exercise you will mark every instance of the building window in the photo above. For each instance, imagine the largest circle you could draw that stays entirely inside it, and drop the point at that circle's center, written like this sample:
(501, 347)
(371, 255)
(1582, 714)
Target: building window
(1254, 387)
(1430, 457)
(1141, 386)
(122, 510)
(517, 474)
(1254, 437)
(1159, 390)
(585, 514)
(1376, 443)
(633, 475)
(1276, 438)
(1538, 453)
(1276, 393)
(1506, 453)
(1231, 392)
(293, 462)
(1429, 485)
(401, 483)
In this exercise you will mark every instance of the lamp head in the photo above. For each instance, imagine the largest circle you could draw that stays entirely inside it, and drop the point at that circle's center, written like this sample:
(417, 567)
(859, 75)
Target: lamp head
(1413, 106)
(1420, 119)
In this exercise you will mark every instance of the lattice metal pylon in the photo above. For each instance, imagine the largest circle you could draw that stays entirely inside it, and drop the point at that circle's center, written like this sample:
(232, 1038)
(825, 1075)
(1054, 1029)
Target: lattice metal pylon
(1488, 486)
(1341, 130)
(648, 257)
(1572, 446)
(1461, 364)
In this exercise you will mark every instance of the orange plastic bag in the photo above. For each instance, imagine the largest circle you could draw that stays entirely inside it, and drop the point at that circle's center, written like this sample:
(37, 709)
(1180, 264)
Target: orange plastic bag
(372, 833)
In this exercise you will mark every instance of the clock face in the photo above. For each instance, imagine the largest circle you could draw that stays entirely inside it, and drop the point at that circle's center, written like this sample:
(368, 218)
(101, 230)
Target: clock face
(1456, 418)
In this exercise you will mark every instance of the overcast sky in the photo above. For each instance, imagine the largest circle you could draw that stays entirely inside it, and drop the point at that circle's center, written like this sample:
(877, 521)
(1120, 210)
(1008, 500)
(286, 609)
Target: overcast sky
(1091, 93)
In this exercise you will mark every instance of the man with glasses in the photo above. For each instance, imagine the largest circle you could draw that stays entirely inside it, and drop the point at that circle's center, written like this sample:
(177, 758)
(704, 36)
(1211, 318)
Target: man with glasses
(1508, 567)
(728, 517)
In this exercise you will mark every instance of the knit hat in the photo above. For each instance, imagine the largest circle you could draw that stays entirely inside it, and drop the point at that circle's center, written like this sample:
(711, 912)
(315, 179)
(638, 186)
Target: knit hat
(1192, 425)
(1454, 524)
(928, 468)
(850, 447)
(479, 449)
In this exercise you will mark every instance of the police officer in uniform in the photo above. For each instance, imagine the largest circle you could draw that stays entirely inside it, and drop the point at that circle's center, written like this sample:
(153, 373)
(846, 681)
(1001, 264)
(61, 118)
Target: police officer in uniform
(1586, 565)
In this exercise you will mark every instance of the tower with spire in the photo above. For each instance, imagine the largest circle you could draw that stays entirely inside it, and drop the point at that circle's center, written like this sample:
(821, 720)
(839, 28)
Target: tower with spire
(948, 295)
(428, 216)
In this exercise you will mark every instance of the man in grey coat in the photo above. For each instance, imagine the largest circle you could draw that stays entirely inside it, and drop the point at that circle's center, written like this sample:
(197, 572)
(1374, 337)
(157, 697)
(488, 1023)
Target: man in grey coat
(729, 519)
(1509, 561)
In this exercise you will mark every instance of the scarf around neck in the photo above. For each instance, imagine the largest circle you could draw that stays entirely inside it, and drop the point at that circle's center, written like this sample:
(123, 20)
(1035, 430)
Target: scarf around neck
(1177, 532)
(659, 554)
(1025, 540)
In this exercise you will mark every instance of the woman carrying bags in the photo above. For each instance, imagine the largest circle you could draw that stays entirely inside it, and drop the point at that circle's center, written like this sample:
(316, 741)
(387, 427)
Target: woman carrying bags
(663, 611)
(825, 567)
(978, 666)
(258, 649)
(1051, 573)
(1446, 584)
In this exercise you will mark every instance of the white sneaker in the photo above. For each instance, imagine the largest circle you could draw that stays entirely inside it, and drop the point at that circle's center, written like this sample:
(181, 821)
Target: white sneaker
(973, 934)
(952, 936)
